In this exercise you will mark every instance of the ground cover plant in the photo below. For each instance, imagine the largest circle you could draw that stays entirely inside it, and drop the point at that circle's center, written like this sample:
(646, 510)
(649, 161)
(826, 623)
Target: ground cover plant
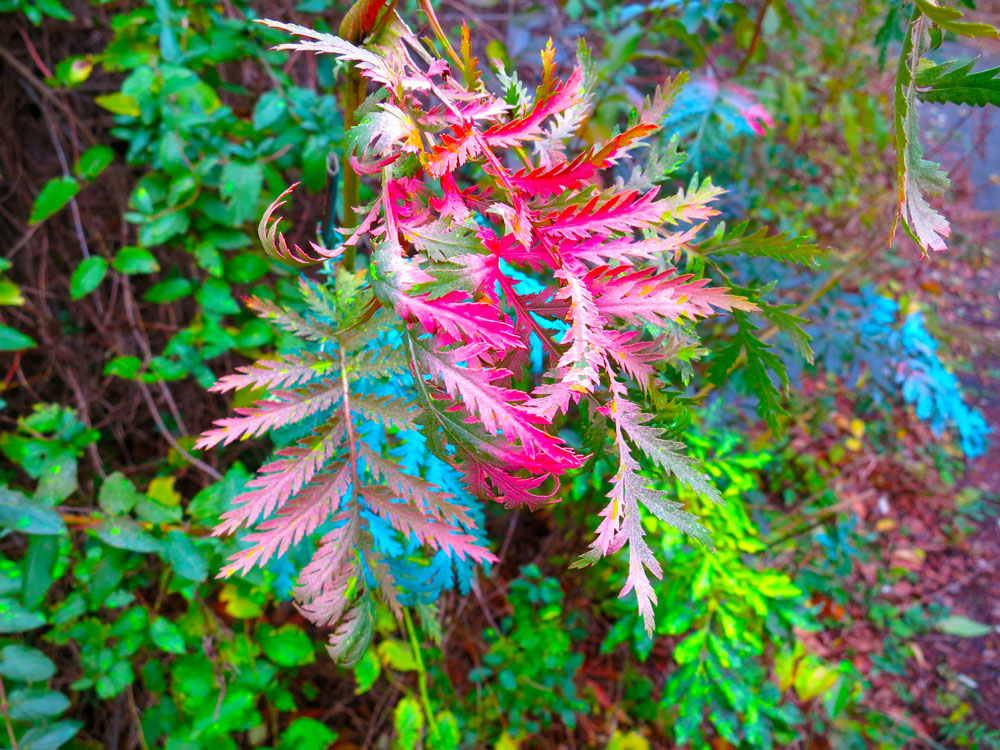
(585, 399)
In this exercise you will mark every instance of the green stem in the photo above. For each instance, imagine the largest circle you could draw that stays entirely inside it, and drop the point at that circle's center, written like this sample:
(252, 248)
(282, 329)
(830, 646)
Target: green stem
(421, 671)
(354, 88)
(6, 716)
(432, 19)
(756, 39)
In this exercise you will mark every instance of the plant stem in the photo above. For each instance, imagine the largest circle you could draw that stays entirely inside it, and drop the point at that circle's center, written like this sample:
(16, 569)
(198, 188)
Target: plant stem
(353, 93)
(756, 39)
(421, 671)
(432, 19)
(6, 716)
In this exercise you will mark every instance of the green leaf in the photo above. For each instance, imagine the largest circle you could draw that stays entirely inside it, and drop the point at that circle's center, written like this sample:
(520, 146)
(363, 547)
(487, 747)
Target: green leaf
(167, 636)
(240, 186)
(306, 734)
(791, 326)
(630, 741)
(57, 193)
(118, 494)
(39, 567)
(962, 627)
(314, 156)
(397, 655)
(87, 276)
(163, 228)
(50, 736)
(20, 513)
(408, 721)
(287, 646)
(950, 18)
(736, 241)
(119, 104)
(690, 648)
(14, 341)
(445, 735)
(26, 664)
(93, 161)
(179, 551)
(761, 362)
(34, 704)
(125, 533)
(123, 367)
(133, 260)
(946, 83)
(15, 618)
(169, 290)
(367, 671)
(245, 268)
(113, 682)
(10, 293)
(270, 108)
(215, 296)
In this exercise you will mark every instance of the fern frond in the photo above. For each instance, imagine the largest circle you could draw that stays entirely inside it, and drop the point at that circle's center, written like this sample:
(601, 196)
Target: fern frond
(291, 321)
(279, 480)
(409, 519)
(288, 371)
(388, 411)
(285, 407)
(623, 212)
(295, 520)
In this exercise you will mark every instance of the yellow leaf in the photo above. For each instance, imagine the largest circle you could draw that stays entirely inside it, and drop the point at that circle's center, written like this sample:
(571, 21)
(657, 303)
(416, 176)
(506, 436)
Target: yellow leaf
(857, 427)
(813, 678)
(119, 104)
(239, 606)
(630, 741)
(162, 491)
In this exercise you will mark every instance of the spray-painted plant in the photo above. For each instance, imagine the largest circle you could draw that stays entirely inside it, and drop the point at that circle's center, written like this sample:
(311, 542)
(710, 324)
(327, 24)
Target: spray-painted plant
(475, 268)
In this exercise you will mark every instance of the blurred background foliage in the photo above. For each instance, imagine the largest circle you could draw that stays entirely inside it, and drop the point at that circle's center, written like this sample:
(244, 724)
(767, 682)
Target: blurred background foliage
(845, 604)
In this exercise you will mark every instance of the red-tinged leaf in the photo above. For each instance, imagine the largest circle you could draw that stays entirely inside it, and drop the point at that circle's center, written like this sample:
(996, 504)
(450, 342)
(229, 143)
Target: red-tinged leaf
(429, 498)
(454, 150)
(635, 296)
(580, 365)
(496, 407)
(470, 64)
(290, 320)
(603, 216)
(691, 205)
(275, 245)
(286, 407)
(513, 491)
(635, 356)
(621, 144)
(295, 520)
(626, 250)
(456, 318)
(408, 519)
(279, 480)
(553, 180)
(265, 373)
(654, 109)
(529, 127)
(360, 19)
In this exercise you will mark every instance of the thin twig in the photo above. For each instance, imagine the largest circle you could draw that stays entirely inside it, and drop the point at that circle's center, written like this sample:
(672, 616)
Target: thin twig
(48, 93)
(148, 397)
(6, 716)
